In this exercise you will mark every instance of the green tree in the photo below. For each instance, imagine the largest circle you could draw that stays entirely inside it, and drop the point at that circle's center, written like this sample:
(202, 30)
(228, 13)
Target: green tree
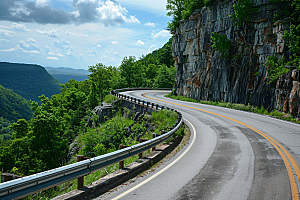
(47, 133)
(174, 8)
(92, 98)
(21, 128)
(102, 76)
(165, 77)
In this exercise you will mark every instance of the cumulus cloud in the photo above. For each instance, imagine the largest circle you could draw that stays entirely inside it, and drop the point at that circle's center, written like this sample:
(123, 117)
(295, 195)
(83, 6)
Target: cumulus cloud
(99, 45)
(114, 42)
(150, 24)
(139, 43)
(60, 55)
(108, 51)
(51, 53)
(8, 50)
(152, 48)
(84, 11)
(111, 14)
(92, 52)
(6, 33)
(51, 33)
(41, 3)
(64, 45)
(52, 58)
(162, 33)
(29, 46)
(19, 26)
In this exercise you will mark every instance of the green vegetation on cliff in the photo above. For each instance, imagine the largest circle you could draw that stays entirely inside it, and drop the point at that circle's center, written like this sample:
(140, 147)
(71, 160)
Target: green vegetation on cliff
(29, 81)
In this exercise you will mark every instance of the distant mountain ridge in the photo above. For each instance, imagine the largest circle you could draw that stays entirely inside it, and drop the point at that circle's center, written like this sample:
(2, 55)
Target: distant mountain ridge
(28, 80)
(64, 74)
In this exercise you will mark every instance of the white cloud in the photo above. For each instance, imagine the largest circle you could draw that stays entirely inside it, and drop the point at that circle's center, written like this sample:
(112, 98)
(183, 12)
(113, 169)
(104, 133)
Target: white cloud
(150, 24)
(162, 33)
(64, 45)
(8, 50)
(6, 33)
(139, 43)
(51, 33)
(60, 55)
(52, 58)
(51, 53)
(93, 52)
(132, 20)
(114, 42)
(108, 51)
(99, 45)
(19, 26)
(152, 48)
(29, 46)
(112, 14)
(41, 3)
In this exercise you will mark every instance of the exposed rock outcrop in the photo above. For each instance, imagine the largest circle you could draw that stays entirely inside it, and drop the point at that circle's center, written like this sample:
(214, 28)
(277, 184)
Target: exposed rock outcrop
(203, 74)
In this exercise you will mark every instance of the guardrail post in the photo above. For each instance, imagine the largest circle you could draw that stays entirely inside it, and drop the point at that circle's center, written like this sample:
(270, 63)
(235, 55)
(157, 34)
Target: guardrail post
(147, 104)
(121, 163)
(80, 180)
(141, 141)
(138, 101)
(156, 107)
(6, 177)
(153, 136)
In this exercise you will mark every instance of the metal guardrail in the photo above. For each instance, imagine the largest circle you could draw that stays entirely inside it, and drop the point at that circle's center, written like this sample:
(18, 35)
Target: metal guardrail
(25, 186)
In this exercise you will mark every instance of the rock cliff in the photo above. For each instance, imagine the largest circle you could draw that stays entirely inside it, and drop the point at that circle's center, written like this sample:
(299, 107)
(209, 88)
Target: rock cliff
(203, 74)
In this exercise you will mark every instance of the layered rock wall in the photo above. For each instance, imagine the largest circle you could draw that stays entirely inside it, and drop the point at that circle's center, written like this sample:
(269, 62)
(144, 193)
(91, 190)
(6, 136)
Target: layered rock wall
(203, 74)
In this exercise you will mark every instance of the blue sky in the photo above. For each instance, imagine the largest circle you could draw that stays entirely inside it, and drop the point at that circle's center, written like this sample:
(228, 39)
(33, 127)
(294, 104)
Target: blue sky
(80, 33)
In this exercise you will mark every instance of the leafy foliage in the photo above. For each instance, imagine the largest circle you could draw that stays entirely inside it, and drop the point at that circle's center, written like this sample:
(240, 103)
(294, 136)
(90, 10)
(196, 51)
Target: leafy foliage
(242, 12)
(174, 8)
(221, 43)
(190, 6)
(109, 98)
(276, 68)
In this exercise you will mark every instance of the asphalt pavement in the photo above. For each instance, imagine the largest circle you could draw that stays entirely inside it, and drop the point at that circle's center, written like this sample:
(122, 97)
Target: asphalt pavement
(231, 154)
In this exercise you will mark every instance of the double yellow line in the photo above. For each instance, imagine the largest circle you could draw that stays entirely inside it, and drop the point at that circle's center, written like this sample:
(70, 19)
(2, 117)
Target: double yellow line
(290, 163)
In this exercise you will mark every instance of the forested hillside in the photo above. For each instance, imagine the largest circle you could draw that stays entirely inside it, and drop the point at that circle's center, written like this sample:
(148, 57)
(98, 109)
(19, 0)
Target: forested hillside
(29, 81)
(13, 106)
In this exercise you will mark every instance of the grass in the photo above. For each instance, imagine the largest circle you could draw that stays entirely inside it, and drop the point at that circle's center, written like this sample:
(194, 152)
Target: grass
(109, 98)
(243, 107)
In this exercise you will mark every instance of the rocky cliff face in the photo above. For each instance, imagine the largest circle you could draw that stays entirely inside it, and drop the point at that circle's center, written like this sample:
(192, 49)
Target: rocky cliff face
(203, 74)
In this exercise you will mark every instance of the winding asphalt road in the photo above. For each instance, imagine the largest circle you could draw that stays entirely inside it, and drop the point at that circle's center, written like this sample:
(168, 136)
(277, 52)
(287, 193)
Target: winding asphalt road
(231, 155)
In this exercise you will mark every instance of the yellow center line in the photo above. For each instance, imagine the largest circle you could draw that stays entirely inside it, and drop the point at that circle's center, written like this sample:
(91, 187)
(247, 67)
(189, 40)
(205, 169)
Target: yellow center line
(286, 156)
